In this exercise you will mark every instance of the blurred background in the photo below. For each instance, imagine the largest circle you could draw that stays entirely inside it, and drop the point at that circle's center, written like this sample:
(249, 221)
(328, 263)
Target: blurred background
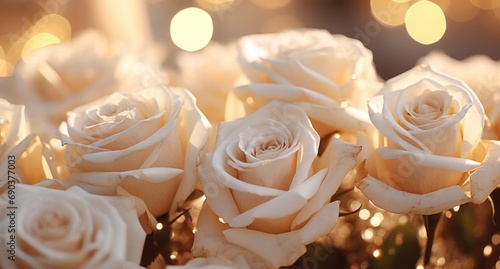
(397, 31)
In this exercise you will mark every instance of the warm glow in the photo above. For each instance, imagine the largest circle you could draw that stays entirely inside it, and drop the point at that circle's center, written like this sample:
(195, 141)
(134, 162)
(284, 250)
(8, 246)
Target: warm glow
(3, 64)
(364, 214)
(215, 5)
(487, 250)
(376, 253)
(159, 226)
(496, 11)
(191, 29)
(54, 24)
(39, 41)
(490, 4)
(390, 13)
(280, 22)
(271, 4)
(461, 11)
(425, 22)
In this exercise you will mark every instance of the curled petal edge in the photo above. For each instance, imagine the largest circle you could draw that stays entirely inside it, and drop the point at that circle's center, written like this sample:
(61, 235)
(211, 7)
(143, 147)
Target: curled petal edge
(400, 202)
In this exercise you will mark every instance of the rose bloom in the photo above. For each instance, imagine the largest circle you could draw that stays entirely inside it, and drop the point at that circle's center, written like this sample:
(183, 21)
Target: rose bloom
(69, 229)
(210, 77)
(28, 157)
(480, 72)
(329, 76)
(146, 142)
(266, 184)
(55, 79)
(427, 155)
(238, 262)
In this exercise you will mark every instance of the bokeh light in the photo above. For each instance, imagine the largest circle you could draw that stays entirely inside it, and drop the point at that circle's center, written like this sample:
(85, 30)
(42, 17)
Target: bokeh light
(3, 64)
(390, 13)
(37, 41)
(271, 4)
(486, 4)
(281, 22)
(215, 5)
(425, 22)
(191, 29)
(461, 11)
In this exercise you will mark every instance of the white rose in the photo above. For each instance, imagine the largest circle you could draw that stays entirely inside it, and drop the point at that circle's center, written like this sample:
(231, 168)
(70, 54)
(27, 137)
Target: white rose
(210, 77)
(480, 72)
(261, 180)
(147, 142)
(428, 146)
(58, 78)
(329, 76)
(21, 151)
(69, 229)
(238, 262)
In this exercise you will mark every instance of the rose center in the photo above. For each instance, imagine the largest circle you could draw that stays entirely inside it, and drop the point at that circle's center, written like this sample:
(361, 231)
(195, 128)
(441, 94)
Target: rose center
(52, 226)
(430, 107)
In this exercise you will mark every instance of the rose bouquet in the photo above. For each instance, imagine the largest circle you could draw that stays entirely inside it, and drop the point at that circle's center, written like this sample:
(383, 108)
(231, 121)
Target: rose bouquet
(271, 158)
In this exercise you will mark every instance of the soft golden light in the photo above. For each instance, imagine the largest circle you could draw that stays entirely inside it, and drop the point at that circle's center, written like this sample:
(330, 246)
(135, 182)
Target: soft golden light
(490, 4)
(495, 239)
(54, 24)
(425, 22)
(376, 253)
(487, 250)
(271, 4)
(215, 5)
(191, 29)
(280, 22)
(4, 70)
(364, 214)
(159, 226)
(390, 13)
(367, 235)
(461, 11)
(39, 41)
(496, 11)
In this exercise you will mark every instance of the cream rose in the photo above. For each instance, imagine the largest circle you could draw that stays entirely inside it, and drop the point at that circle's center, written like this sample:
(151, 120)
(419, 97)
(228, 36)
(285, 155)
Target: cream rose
(481, 74)
(55, 79)
(21, 151)
(147, 142)
(238, 262)
(265, 182)
(329, 76)
(210, 77)
(427, 155)
(69, 229)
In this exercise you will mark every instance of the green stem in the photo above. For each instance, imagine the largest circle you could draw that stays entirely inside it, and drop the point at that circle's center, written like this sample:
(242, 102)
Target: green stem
(431, 222)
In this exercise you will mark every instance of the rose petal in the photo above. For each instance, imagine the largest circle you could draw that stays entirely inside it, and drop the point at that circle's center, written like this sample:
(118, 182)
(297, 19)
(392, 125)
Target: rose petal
(210, 241)
(401, 202)
(341, 159)
(299, 75)
(284, 249)
(219, 197)
(287, 203)
(156, 186)
(422, 159)
(487, 177)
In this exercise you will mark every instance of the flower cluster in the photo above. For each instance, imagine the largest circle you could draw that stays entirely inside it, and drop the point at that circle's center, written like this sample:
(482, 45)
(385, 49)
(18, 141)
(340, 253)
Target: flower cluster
(97, 148)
